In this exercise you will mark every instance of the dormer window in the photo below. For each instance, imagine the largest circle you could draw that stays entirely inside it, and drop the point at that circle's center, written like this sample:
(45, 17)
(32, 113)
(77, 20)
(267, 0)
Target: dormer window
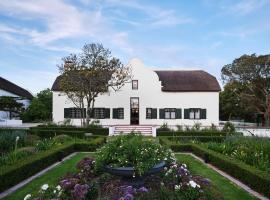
(134, 84)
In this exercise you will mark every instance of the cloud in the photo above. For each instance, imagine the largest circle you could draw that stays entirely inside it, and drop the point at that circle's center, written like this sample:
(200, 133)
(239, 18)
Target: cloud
(245, 7)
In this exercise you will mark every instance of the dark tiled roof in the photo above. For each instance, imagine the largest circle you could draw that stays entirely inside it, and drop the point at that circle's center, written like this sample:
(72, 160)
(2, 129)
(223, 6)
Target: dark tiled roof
(15, 89)
(178, 81)
(188, 81)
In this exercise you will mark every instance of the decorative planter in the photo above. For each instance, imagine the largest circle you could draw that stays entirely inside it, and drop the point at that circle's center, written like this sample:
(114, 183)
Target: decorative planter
(127, 173)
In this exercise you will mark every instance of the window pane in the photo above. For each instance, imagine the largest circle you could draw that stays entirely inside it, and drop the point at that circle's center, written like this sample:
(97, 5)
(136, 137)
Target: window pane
(173, 114)
(134, 102)
(134, 84)
(197, 114)
(191, 114)
(167, 114)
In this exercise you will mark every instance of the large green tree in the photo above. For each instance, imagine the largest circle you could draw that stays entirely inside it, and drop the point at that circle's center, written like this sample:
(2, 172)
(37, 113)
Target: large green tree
(231, 105)
(252, 72)
(90, 73)
(9, 104)
(40, 108)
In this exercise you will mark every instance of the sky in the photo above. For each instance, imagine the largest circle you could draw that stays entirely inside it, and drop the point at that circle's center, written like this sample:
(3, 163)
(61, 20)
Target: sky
(197, 34)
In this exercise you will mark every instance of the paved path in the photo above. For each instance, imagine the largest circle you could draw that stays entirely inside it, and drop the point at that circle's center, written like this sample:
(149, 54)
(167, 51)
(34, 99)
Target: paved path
(232, 179)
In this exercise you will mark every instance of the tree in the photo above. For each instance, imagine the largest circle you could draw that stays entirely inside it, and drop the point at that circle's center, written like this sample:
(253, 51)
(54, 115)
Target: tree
(253, 74)
(231, 105)
(9, 104)
(40, 108)
(92, 72)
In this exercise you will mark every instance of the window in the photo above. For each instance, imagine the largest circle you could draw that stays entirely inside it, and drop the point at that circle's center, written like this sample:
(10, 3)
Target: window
(151, 113)
(99, 113)
(74, 113)
(134, 84)
(118, 113)
(195, 113)
(170, 113)
(134, 102)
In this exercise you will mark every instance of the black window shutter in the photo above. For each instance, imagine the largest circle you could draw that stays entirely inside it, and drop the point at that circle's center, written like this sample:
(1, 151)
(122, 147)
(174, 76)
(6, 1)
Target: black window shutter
(178, 113)
(115, 113)
(154, 113)
(161, 113)
(186, 113)
(66, 113)
(107, 113)
(120, 113)
(203, 113)
(146, 114)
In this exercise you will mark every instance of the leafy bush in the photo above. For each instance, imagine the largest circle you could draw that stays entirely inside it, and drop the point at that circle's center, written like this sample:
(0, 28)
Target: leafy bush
(132, 150)
(164, 127)
(44, 144)
(251, 150)
(8, 137)
(195, 139)
(30, 165)
(62, 138)
(229, 128)
(191, 133)
(31, 140)
(254, 178)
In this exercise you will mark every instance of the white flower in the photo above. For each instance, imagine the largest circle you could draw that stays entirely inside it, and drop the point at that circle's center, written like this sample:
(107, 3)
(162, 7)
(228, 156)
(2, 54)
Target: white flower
(193, 184)
(45, 187)
(54, 191)
(185, 166)
(28, 196)
(17, 138)
(177, 187)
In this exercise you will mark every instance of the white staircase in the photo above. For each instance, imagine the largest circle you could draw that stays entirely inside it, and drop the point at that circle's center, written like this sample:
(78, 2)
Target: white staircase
(146, 130)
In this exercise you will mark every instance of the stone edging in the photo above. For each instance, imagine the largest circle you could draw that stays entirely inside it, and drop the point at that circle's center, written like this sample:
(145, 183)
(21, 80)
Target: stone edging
(232, 179)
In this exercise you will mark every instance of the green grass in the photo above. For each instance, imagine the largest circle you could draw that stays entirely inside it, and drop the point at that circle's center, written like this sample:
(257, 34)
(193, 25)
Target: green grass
(228, 189)
(51, 177)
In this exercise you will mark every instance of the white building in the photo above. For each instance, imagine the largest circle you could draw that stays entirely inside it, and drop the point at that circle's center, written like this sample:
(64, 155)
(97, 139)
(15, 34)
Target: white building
(178, 97)
(21, 95)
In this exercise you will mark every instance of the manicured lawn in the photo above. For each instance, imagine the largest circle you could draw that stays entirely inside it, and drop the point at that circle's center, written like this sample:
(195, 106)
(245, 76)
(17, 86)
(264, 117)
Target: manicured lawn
(51, 177)
(227, 188)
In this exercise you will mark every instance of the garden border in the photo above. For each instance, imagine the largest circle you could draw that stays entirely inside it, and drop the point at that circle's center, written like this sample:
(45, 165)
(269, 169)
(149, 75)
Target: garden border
(229, 177)
(250, 176)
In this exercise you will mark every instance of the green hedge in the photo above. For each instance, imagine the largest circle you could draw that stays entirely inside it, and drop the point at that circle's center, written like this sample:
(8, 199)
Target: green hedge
(11, 175)
(71, 131)
(254, 178)
(191, 133)
(185, 139)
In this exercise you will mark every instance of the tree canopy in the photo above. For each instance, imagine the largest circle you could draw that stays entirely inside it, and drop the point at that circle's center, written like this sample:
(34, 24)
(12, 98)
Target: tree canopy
(252, 73)
(10, 105)
(40, 108)
(90, 73)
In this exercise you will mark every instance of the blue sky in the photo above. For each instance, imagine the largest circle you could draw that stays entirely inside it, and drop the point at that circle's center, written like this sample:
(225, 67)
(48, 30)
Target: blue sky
(198, 34)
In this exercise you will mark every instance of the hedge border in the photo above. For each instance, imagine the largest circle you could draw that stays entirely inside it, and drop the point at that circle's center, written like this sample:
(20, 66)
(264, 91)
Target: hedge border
(13, 174)
(186, 139)
(191, 133)
(254, 178)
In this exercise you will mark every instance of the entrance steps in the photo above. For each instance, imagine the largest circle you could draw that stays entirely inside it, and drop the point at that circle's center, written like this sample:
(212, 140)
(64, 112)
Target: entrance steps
(145, 130)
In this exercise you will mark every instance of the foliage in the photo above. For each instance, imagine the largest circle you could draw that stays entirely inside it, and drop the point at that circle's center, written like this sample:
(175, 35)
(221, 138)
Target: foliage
(44, 144)
(164, 127)
(231, 104)
(90, 73)
(254, 178)
(94, 124)
(252, 151)
(30, 165)
(132, 150)
(196, 127)
(10, 105)
(229, 128)
(8, 138)
(252, 73)
(40, 108)
(62, 138)
(205, 132)
(175, 182)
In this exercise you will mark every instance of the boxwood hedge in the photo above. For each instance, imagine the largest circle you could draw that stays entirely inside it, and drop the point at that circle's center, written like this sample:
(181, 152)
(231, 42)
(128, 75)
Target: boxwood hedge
(11, 175)
(191, 133)
(254, 178)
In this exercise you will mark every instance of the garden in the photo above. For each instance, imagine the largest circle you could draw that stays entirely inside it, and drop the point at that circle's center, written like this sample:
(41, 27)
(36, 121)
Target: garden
(131, 166)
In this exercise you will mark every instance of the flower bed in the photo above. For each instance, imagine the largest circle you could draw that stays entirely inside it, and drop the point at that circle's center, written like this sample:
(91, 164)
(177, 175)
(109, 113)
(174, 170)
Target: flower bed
(174, 182)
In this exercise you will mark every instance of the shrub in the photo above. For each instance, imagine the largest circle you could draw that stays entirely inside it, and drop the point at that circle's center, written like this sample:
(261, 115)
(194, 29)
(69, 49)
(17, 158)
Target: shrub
(31, 140)
(195, 139)
(191, 133)
(229, 128)
(44, 144)
(164, 127)
(62, 138)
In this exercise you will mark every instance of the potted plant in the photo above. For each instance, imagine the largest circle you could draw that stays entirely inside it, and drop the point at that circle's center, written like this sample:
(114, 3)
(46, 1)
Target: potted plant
(133, 157)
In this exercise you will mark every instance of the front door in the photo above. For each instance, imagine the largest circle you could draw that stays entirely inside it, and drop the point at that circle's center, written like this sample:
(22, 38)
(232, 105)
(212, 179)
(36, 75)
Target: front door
(134, 111)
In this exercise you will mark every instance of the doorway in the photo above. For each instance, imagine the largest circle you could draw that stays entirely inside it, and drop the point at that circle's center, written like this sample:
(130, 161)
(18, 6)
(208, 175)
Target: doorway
(134, 111)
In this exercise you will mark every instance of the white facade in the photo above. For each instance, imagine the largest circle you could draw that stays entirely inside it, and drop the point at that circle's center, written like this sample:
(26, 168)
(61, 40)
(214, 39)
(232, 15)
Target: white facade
(150, 96)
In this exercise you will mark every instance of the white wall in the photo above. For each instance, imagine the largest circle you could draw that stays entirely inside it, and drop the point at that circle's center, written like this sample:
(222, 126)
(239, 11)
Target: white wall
(150, 96)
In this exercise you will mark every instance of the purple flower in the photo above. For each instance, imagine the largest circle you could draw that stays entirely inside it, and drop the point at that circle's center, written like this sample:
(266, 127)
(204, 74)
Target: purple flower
(143, 190)
(80, 191)
(128, 197)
